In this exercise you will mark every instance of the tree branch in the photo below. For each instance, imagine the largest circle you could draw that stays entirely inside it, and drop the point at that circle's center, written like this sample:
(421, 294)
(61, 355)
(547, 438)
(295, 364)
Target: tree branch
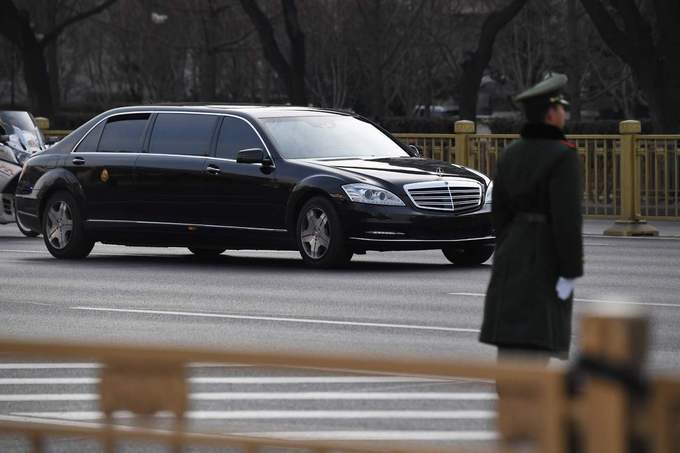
(265, 31)
(607, 28)
(494, 23)
(637, 26)
(56, 31)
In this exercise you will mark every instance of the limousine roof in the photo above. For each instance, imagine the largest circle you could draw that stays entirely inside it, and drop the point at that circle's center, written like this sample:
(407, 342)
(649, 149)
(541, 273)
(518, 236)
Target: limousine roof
(246, 110)
(257, 111)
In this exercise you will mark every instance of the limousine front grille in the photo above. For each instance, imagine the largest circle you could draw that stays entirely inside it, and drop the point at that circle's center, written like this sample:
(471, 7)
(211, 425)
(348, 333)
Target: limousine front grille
(455, 194)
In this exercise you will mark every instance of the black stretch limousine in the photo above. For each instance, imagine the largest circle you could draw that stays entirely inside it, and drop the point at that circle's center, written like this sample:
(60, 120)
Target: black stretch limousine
(212, 178)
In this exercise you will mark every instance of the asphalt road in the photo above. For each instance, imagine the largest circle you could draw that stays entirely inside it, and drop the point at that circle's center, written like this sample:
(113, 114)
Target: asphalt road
(385, 304)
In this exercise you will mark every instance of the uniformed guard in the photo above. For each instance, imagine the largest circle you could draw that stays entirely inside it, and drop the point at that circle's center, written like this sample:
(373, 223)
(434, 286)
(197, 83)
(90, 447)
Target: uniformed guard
(536, 212)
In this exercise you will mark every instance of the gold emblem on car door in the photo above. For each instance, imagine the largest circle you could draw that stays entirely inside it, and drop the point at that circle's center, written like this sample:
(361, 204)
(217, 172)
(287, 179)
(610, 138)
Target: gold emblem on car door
(104, 175)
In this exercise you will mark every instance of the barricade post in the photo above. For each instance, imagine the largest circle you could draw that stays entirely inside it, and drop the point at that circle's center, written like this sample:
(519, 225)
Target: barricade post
(613, 349)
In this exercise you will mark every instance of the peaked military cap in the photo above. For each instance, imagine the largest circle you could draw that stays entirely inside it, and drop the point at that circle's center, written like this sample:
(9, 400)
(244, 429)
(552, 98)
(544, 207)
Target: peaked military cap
(548, 90)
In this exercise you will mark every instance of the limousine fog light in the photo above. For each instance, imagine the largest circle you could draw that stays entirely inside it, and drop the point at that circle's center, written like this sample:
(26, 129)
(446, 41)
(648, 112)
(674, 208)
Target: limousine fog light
(365, 193)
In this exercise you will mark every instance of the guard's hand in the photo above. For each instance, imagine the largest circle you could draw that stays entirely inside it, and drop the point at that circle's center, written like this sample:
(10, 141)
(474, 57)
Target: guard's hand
(564, 287)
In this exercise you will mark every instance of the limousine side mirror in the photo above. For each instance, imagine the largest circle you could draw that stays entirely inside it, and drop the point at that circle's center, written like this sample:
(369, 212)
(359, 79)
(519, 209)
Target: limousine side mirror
(253, 156)
(415, 151)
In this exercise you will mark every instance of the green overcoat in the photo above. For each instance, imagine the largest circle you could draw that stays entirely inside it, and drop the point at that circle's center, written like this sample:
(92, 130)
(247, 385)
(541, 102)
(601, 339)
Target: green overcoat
(537, 217)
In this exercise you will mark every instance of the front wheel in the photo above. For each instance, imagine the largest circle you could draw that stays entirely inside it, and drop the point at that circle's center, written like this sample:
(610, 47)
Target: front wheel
(23, 228)
(468, 255)
(63, 229)
(320, 236)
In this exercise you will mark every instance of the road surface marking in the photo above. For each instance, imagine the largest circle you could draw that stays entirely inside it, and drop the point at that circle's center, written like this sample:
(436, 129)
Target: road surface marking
(234, 396)
(280, 414)
(277, 319)
(303, 435)
(236, 380)
(48, 366)
(590, 301)
(85, 366)
(377, 435)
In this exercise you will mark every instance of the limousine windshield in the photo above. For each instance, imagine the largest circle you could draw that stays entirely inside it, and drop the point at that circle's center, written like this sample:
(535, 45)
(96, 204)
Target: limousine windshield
(329, 136)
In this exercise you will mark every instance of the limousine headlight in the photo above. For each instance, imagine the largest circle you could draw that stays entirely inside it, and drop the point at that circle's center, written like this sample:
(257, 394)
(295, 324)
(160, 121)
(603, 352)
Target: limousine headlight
(488, 198)
(365, 193)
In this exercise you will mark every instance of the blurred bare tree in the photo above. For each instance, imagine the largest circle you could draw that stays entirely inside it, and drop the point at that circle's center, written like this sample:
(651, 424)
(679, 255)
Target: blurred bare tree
(477, 60)
(643, 33)
(17, 26)
(381, 58)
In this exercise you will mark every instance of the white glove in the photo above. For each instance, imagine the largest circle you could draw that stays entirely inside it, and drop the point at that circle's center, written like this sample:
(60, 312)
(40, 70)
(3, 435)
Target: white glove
(564, 287)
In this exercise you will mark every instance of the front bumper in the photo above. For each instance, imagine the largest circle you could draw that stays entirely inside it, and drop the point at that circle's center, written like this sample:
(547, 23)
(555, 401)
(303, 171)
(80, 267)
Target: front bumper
(9, 175)
(371, 227)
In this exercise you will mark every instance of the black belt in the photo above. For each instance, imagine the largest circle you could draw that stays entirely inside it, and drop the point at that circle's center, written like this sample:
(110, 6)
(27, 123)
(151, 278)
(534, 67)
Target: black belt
(532, 217)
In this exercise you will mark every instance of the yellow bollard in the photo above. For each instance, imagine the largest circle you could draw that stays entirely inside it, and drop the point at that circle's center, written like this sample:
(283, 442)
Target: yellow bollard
(463, 129)
(630, 223)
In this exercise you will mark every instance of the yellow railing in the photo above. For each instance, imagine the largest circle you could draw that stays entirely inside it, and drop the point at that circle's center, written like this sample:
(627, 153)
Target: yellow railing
(625, 177)
(659, 169)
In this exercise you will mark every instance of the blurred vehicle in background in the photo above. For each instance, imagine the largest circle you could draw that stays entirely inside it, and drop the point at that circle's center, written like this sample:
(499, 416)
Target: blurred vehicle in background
(436, 111)
(20, 138)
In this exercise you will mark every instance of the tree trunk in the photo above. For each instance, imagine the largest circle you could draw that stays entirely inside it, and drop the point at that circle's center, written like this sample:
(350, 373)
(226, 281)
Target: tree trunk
(15, 25)
(574, 70)
(37, 79)
(476, 62)
(650, 49)
(471, 79)
(53, 57)
(292, 73)
(662, 94)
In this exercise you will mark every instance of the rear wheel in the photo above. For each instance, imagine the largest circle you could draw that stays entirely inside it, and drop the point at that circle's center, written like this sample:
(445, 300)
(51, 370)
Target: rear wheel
(206, 252)
(63, 229)
(23, 228)
(468, 255)
(320, 236)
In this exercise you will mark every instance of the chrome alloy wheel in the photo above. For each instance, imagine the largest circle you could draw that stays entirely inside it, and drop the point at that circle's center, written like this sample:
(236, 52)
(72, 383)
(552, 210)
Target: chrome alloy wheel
(315, 234)
(59, 225)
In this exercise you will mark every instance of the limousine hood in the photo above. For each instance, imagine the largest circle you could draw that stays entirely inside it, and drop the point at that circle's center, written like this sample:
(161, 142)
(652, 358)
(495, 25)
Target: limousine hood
(400, 170)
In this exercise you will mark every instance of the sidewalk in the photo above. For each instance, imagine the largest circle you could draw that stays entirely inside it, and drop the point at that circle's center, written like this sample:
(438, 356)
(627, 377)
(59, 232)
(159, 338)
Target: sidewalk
(666, 228)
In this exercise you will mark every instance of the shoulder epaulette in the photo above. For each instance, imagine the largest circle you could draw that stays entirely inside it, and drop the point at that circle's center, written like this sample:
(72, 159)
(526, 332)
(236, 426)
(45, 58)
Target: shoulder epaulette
(568, 144)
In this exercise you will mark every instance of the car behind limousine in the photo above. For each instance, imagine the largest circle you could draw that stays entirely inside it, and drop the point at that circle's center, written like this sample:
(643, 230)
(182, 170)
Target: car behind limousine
(217, 177)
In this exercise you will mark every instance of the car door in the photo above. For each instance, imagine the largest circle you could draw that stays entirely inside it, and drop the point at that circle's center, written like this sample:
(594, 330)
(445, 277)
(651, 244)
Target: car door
(172, 173)
(104, 163)
(243, 195)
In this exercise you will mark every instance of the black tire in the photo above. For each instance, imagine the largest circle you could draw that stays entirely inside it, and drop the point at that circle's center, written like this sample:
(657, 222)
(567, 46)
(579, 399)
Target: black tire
(61, 243)
(206, 253)
(324, 244)
(468, 255)
(24, 229)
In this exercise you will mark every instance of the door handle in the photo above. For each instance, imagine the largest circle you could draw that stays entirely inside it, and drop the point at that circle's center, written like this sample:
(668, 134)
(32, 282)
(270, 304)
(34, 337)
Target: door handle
(213, 170)
(78, 161)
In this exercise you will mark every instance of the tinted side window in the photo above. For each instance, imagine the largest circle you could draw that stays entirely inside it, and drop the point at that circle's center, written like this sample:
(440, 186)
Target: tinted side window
(123, 134)
(177, 133)
(91, 140)
(235, 135)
